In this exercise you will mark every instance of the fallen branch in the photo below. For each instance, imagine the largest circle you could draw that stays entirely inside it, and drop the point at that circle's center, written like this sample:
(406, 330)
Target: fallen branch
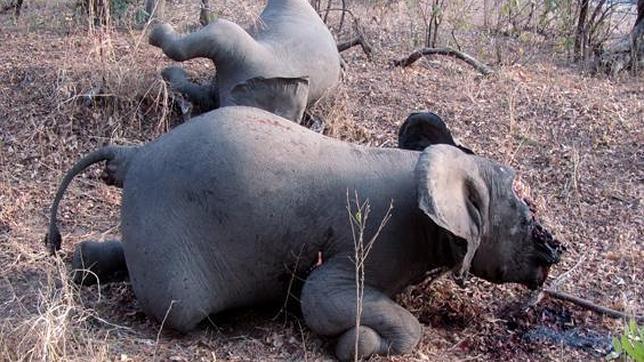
(358, 40)
(413, 57)
(592, 306)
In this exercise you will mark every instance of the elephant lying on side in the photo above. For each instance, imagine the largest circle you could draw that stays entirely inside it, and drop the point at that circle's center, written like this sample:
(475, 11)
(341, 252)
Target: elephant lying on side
(287, 61)
(216, 212)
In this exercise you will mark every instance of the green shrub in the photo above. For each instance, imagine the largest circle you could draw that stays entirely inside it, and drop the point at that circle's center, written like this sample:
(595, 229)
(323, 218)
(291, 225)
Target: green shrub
(630, 345)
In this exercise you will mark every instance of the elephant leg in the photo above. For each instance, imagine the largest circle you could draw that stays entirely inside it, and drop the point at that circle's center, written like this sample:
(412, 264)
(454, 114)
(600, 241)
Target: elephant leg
(329, 308)
(96, 261)
(203, 97)
(217, 41)
(423, 129)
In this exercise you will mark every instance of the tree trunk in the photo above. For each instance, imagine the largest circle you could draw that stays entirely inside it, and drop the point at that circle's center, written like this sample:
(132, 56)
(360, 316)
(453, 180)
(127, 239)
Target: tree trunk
(638, 28)
(637, 36)
(627, 53)
(580, 37)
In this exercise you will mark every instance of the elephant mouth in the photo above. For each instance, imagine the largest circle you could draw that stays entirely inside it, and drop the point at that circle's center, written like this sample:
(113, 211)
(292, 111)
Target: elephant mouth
(540, 278)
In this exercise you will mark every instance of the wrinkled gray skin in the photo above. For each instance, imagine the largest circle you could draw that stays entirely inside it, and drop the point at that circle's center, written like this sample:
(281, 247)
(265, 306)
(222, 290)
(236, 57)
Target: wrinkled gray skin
(216, 214)
(286, 61)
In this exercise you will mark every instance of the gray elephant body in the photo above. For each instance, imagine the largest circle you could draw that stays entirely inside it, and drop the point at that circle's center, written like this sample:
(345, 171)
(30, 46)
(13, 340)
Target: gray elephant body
(263, 193)
(288, 41)
(221, 211)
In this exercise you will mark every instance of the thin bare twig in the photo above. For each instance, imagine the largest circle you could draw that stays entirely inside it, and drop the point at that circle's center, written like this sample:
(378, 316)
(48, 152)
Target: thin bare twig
(560, 279)
(592, 306)
(417, 54)
(358, 221)
(165, 317)
(289, 289)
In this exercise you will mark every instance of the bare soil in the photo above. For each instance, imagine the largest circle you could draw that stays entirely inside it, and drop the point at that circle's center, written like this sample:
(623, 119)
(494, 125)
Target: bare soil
(67, 87)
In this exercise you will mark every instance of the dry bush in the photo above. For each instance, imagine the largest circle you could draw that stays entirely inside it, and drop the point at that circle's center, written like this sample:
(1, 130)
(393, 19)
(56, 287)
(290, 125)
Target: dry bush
(334, 110)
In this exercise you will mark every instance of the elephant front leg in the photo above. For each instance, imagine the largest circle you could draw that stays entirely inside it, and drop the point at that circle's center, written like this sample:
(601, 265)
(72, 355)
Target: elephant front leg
(204, 98)
(329, 304)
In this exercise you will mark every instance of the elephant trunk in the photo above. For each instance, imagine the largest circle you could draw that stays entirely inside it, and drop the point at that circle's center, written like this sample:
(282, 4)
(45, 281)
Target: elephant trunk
(108, 153)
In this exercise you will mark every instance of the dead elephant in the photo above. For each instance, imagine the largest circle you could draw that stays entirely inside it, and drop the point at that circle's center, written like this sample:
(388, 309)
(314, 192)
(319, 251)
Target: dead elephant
(285, 62)
(213, 211)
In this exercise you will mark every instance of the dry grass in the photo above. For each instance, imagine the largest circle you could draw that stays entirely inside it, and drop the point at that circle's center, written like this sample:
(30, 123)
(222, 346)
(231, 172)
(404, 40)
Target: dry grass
(575, 139)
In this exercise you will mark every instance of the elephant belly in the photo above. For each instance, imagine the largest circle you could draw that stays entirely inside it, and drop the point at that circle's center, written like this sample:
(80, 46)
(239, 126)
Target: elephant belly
(209, 258)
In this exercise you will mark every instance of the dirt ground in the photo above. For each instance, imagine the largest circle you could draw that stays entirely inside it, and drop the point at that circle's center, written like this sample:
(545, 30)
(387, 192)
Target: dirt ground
(67, 87)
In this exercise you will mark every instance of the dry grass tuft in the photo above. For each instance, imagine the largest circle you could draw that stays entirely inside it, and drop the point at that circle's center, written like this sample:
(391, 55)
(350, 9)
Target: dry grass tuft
(334, 109)
(54, 325)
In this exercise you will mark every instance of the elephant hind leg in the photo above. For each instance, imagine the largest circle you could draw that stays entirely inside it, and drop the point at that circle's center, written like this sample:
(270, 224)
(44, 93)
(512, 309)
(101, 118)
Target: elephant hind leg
(99, 261)
(329, 308)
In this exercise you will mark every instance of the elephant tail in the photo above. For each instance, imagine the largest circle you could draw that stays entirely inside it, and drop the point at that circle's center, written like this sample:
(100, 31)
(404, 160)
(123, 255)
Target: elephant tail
(107, 153)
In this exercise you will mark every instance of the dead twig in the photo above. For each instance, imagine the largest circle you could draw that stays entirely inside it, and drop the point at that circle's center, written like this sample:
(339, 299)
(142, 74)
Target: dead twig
(165, 317)
(417, 54)
(358, 219)
(291, 283)
(592, 306)
(205, 13)
(563, 277)
(359, 39)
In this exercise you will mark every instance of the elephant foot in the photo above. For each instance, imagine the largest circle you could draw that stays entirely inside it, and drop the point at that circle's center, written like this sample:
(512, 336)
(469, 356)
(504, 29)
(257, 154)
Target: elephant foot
(161, 34)
(369, 343)
(99, 262)
(329, 308)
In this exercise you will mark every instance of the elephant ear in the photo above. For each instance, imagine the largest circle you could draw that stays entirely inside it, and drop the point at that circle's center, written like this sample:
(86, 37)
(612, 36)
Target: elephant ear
(423, 129)
(285, 97)
(453, 193)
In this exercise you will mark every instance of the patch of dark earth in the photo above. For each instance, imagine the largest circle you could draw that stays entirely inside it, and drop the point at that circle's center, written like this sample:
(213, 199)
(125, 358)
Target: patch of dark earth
(552, 323)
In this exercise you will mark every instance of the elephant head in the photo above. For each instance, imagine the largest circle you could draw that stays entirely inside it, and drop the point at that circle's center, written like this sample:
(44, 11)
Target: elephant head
(474, 199)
